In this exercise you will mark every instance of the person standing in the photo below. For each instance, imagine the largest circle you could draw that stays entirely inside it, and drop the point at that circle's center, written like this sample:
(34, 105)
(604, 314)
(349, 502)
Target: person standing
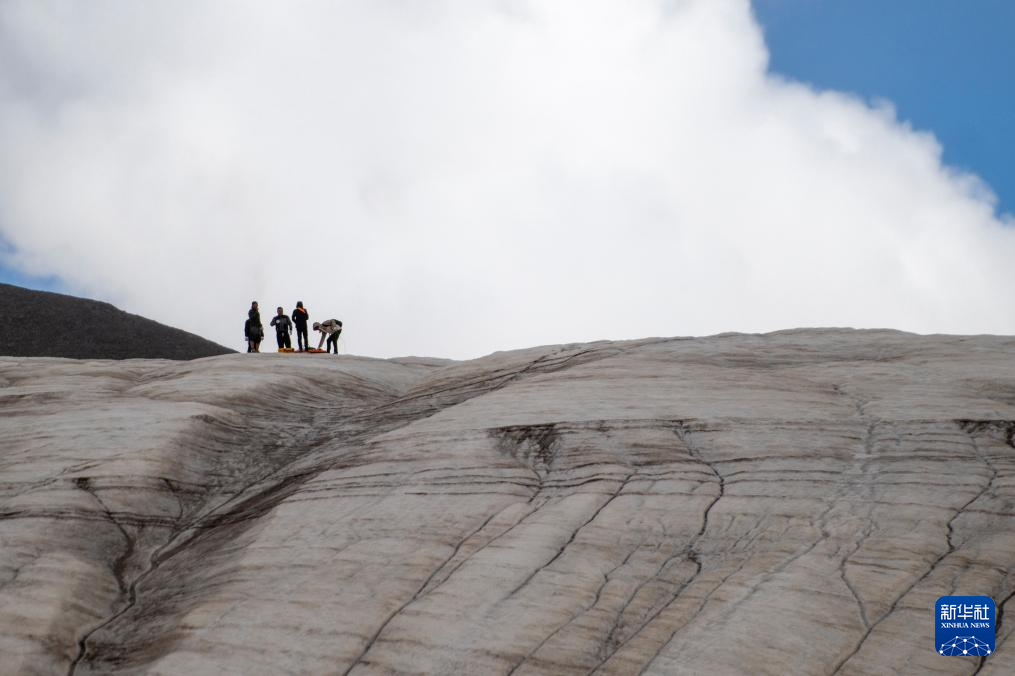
(282, 328)
(253, 330)
(330, 328)
(300, 317)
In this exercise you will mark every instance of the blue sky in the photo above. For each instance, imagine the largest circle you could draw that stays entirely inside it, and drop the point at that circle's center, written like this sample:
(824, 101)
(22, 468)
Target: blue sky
(9, 276)
(433, 174)
(947, 65)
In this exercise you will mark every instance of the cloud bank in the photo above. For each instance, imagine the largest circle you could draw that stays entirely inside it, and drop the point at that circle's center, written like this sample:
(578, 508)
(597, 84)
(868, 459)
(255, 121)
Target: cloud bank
(452, 178)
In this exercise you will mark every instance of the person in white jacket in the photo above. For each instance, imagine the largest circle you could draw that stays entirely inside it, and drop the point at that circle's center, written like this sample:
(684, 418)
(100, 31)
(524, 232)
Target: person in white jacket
(330, 329)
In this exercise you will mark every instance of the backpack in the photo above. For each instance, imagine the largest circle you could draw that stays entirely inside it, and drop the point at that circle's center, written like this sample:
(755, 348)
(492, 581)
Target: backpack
(253, 331)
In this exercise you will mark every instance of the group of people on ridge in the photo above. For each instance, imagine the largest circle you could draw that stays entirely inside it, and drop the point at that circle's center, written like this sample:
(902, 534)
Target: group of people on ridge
(253, 330)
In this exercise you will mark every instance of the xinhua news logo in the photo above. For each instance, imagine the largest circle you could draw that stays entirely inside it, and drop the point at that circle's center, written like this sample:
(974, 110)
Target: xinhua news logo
(964, 626)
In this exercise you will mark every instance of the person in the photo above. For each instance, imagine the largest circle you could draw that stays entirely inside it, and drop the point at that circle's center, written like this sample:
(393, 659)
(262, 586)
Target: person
(300, 317)
(332, 329)
(253, 330)
(282, 328)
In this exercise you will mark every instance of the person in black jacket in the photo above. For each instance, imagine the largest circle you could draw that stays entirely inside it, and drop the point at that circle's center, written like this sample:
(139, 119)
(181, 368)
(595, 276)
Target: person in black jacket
(300, 317)
(282, 328)
(253, 331)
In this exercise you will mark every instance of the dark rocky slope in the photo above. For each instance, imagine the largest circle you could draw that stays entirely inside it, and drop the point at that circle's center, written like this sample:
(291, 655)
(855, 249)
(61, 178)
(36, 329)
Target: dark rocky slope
(44, 324)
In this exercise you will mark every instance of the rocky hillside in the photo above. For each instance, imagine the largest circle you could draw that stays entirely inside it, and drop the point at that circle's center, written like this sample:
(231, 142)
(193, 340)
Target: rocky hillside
(791, 503)
(44, 324)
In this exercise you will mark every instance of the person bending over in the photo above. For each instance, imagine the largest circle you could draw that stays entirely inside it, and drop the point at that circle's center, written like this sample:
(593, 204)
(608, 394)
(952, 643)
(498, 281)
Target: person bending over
(282, 328)
(330, 329)
(300, 317)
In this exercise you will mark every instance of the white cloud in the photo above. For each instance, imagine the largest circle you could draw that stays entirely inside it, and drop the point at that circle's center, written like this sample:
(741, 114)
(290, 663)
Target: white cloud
(452, 178)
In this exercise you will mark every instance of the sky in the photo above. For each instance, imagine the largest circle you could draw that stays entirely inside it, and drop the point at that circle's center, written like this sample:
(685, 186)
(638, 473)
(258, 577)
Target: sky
(453, 178)
(945, 65)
